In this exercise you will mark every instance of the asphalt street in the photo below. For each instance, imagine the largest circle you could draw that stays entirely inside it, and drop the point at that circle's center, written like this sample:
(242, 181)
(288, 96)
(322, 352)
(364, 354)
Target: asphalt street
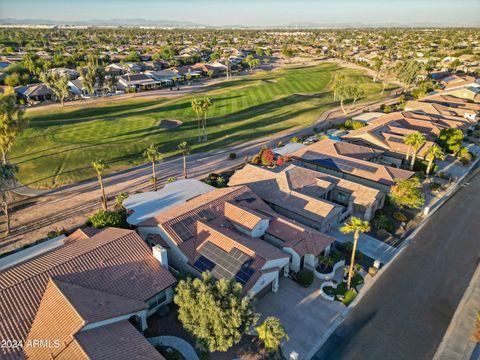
(406, 312)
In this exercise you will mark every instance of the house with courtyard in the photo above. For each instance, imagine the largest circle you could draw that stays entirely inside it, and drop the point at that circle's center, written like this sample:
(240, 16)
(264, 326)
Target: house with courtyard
(352, 162)
(235, 235)
(355, 199)
(440, 110)
(388, 133)
(89, 298)
(471, 108)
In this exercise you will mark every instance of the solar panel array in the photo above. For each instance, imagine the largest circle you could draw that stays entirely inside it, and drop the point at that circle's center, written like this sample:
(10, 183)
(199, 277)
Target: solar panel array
(183, 227)
(343, 164)
(234, 265)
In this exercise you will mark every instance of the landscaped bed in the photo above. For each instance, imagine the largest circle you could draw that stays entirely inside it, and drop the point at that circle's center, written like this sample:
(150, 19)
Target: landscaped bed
(170, 353)
(341, 293)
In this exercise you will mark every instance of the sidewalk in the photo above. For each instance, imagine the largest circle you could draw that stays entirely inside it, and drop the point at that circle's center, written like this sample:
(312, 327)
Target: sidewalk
(368, 245)
(457, 343)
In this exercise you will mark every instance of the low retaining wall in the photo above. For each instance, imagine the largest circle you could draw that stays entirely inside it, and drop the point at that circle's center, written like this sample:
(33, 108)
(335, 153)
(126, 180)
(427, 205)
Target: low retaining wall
(324, 295)
(331, 275)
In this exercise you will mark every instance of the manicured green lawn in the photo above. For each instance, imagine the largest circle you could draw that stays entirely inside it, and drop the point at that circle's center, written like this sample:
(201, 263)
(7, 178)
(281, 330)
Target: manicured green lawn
(60, 144)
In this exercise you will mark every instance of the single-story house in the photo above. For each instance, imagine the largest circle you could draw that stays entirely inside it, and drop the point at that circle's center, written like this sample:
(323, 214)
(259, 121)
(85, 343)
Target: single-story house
(233, 234)
(137, 81)
(35, 93)
(164, 76)
(352, 162)
(276, 189)
(436, 109)
(288, 149)
(87, 298)
(355, 199)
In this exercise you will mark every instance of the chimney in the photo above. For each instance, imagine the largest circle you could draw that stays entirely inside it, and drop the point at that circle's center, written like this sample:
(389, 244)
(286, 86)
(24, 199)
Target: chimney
(160, 253)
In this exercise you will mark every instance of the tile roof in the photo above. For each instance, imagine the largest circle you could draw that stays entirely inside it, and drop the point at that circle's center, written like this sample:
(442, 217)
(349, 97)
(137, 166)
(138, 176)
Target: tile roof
(209, 219)
(325, 154)
(452, 101)
(114, 261)
(275, 188)
(117, 341)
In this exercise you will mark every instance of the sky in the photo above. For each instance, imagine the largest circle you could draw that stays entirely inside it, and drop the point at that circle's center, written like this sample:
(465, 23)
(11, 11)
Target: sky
(253, 12)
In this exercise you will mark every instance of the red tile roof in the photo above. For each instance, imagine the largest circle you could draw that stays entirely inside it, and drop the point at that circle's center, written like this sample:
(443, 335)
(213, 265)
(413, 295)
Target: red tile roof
(114, 261)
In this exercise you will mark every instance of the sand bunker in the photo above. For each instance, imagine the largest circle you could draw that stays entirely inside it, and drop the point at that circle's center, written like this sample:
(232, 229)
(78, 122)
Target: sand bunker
(169, 123)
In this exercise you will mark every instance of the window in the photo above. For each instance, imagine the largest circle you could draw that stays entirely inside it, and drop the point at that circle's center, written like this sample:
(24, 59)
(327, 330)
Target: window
(156, 300)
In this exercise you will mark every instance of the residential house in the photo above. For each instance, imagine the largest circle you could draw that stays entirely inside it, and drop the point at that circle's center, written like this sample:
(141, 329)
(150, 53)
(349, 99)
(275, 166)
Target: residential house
(276, 189)
(34, 93)
(457, 81)
(164, 76)
(137, 81)
(87, 298)
(351, 162)
(298, 192)
(439, 110)
(389, 134)
(233, 234)
(453, 102)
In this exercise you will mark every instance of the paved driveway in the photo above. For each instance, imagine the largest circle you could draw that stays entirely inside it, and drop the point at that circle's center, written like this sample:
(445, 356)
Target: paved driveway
(304, 313)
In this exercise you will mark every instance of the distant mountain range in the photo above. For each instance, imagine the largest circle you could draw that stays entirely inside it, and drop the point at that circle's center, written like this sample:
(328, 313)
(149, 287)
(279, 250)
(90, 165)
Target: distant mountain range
(106, 22)
(188, 24)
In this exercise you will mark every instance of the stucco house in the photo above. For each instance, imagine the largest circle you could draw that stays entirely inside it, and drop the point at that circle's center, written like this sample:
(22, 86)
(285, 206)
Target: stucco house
(233, 234)
(89, 298)
(356, 163)
(353, 198)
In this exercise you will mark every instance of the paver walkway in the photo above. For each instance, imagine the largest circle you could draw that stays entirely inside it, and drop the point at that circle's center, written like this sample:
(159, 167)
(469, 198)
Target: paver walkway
(368, 245)
(181, 345)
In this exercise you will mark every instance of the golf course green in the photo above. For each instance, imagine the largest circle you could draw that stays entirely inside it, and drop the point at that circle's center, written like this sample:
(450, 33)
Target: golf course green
(60, 143)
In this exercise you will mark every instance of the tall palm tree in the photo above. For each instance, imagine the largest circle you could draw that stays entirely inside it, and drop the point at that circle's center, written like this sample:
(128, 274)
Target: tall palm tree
(198, 110)
(152, 154)
(206, 104)
(356, 226)
(99, 166)
(185, 149)
(432, 153)
(415, 141)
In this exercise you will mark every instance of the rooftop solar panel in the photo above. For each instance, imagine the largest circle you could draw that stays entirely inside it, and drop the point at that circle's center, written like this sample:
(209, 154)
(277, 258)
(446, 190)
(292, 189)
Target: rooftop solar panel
(235, 265)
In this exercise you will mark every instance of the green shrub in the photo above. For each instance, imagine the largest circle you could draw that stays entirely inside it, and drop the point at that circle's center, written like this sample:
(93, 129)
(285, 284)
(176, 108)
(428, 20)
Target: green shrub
(305, 277)
(397, 215)
(434, 186)
(54, 233)
(232, 156)
(295, 139)
(381, 221)
(107, 218)
(171, 179)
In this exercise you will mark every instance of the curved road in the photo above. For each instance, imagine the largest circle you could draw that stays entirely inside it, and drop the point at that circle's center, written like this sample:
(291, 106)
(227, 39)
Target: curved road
(406, 312)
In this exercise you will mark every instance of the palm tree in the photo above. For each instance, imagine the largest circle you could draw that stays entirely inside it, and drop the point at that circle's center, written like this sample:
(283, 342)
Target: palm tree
(185, 149)
(153, 155)
(111, 83)
(416, 140)
(99, 166)
(432, 153)
(271, 332)
(356, 226)
(197, 109)
(206, 103)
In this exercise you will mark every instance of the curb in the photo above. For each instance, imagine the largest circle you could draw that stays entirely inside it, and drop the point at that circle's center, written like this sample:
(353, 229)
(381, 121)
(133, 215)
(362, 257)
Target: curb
(342, 316)
(465, 298)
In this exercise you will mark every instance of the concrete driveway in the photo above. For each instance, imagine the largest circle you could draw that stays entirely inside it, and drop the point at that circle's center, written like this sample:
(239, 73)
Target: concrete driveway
(306, 316)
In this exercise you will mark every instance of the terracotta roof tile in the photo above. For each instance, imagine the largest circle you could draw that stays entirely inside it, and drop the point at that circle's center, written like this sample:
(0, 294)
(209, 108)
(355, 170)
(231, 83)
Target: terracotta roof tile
(114, 261)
